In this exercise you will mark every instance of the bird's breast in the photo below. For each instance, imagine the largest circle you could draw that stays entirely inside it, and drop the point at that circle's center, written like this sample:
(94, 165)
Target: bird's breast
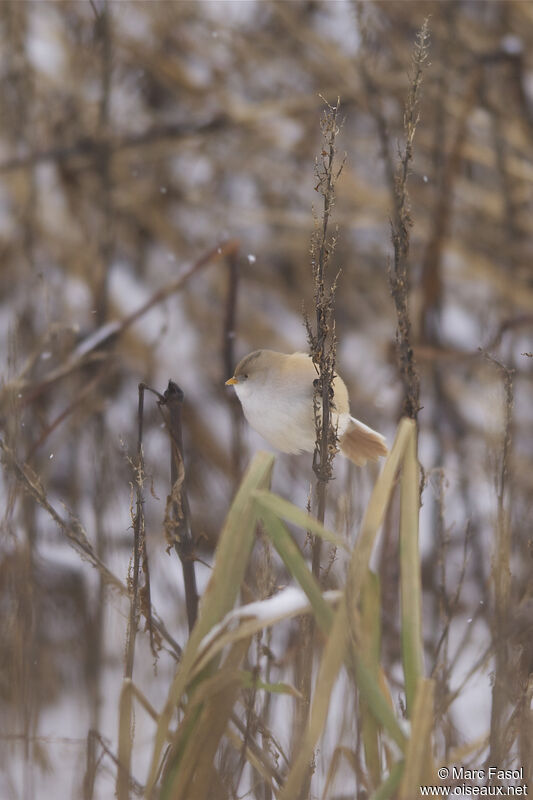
(285, 420)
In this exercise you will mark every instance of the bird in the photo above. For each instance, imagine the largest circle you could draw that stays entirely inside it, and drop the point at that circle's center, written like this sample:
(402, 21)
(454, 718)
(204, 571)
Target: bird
(276, 392)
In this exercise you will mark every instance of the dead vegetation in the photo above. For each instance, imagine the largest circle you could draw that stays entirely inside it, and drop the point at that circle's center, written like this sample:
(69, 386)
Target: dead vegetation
(156, 186)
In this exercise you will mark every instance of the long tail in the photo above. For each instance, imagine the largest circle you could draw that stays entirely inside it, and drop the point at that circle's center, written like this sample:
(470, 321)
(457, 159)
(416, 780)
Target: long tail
(360, 443)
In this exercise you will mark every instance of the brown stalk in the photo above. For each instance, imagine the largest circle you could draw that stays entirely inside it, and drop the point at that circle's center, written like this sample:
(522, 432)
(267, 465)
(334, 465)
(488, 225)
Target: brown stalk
(138, 532)
(322, 346)
(322, 340)
(501, 574)
(178, 529)
(431, 279)
(124, 767)
(399, 270)
(446, 162)
(228, 359)
(100, 301)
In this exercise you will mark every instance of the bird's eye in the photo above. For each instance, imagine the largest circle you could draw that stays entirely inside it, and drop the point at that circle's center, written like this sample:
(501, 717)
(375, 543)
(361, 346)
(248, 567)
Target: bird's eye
(245, 376)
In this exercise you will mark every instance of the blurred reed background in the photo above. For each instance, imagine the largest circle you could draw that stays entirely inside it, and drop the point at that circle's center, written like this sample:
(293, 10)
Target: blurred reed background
(156, 191)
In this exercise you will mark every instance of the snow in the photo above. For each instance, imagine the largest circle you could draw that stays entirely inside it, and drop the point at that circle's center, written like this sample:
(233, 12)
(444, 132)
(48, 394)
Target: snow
(286, 603)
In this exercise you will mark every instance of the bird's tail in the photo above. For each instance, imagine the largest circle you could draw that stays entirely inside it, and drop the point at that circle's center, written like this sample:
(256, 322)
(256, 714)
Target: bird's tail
(360, 443)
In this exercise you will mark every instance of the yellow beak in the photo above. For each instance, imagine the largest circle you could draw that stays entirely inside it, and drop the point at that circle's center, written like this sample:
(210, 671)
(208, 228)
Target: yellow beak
(232, 382)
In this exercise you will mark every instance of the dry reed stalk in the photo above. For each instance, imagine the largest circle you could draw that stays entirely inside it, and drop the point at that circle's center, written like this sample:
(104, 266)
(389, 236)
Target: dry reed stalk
(501, 575)
(178, 529)
(138, 533)
(401, 224)
(228, 360)
(125, 738)
(322, 339)
(322, 345)
(100, 301)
